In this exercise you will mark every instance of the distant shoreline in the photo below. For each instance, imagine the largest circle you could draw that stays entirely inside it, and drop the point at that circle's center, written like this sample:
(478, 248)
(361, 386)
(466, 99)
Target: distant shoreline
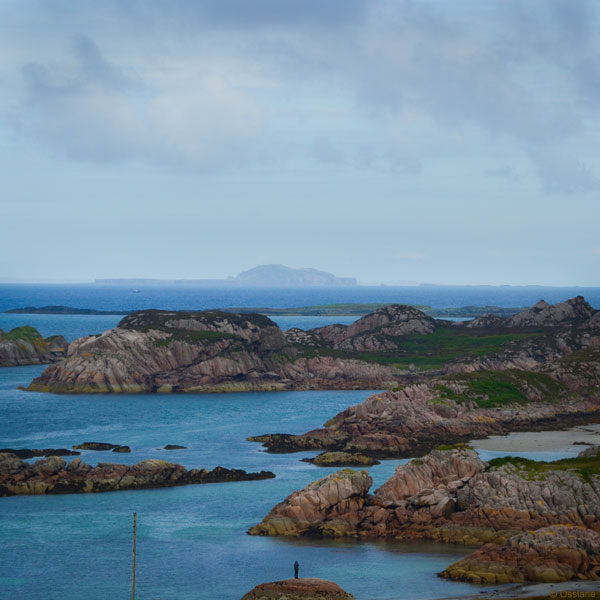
(325, 310)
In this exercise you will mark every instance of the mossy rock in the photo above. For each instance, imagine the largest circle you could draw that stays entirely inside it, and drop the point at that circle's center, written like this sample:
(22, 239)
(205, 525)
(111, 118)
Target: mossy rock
(341, 459)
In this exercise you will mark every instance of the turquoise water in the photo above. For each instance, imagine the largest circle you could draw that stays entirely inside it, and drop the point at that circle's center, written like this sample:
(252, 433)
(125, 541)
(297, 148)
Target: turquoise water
(191, 540)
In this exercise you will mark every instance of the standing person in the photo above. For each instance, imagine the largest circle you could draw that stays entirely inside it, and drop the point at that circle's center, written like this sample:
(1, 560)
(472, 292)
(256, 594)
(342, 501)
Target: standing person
(296, 569)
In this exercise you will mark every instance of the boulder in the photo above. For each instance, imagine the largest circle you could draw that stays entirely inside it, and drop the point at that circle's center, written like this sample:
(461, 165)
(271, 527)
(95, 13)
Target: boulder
(326, 508)
(341, 459)
(298, 589)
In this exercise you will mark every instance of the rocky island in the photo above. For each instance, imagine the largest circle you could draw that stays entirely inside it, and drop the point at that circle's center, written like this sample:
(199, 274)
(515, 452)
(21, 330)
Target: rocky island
(25, 346)
(512, 505)
(207, 351)
(309, 588)
(53, 475)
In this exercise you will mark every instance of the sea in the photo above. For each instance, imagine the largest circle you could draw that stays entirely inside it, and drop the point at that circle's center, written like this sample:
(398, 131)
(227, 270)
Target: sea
(191, 541)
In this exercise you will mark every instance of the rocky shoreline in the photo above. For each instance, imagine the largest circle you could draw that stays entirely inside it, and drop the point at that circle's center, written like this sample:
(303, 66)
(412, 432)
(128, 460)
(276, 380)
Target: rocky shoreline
(415, 418)
(451, 496)
(53, 475)
(218, 351)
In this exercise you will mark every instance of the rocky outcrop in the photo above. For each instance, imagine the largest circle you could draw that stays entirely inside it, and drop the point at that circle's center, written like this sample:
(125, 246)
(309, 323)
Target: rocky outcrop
(450, 495)
(25, 346)
(548, 555)
(415, 418)
(573, 311)
(36, 452)
(341, 459)
(161, 351)
(325, 508)
(214, 351)
(174, 447)
(97, 446)
(298, 589)
(53, 476)
(378, 330)
(485, 321)
(590, 452)
(300, 337)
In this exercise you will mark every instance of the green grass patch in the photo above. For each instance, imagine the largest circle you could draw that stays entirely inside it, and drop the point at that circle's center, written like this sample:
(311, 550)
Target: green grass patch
(491, 389)
(458, 446)
(585, 467)
(432, 351)
(21, 334)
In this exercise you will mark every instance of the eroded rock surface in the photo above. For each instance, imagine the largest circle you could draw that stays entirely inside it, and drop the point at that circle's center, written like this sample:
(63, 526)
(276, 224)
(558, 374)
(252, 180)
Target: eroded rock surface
(52, 475)
(548, 555)
(25, 346)
(378, 330)
(162, 351)
(298, 589)
(325, 508)
(458, 407)
(449, 496)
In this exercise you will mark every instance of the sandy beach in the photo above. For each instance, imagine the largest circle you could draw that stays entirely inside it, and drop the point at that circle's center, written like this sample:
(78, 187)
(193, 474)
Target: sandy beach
(568, 589)
(568, 440)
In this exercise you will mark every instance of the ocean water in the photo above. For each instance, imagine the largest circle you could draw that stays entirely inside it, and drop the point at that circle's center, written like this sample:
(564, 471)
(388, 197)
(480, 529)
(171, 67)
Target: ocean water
(191, 540)
(192, 543)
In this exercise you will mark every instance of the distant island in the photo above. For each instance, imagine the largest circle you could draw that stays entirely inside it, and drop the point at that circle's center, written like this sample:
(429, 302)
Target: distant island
(63, 310)
(347, 309)
(261, 276)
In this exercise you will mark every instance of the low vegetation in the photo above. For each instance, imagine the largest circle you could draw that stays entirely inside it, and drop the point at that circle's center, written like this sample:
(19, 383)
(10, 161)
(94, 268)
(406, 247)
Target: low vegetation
(491, 389)
(21, 334)
(584, 466)
(432, 351)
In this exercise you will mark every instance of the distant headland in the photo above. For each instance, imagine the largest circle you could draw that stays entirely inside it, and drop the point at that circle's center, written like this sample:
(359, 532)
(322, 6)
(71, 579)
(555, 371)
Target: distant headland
(261, 276)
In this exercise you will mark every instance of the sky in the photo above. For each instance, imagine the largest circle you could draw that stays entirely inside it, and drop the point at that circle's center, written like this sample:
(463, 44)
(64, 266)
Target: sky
(391, 141)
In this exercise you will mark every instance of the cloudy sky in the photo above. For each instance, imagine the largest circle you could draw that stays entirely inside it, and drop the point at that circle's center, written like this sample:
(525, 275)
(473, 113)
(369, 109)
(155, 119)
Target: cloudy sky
(424, 140)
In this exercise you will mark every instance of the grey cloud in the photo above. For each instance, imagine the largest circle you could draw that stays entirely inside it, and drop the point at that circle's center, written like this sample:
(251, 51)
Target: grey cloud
(561, 173)
(396, 57)
(90, 69)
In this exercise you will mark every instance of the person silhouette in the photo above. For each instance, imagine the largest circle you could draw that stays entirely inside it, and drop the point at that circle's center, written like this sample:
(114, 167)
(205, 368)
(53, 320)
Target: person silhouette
(296, 569)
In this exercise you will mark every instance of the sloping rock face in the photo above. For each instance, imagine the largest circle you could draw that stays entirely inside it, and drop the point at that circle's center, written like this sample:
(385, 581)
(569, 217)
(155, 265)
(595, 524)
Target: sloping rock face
(548, 555)
(326, 508)
(161, 351)
(450, 496)
(487, 320)
(415, 418)
(302, 338)
(298, 589)
(373, 332)
(25, 346)
(53, 476)
(543, 314)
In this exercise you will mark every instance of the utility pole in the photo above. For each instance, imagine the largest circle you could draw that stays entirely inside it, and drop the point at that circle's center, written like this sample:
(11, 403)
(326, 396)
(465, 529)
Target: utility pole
(133, 565)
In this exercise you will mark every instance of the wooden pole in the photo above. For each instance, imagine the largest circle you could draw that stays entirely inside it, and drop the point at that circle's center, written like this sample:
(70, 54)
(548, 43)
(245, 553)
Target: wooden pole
(133, 566)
